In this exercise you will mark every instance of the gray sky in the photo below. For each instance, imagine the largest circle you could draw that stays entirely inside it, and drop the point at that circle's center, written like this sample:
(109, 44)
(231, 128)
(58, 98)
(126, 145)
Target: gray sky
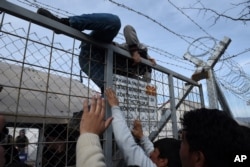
(170, 26)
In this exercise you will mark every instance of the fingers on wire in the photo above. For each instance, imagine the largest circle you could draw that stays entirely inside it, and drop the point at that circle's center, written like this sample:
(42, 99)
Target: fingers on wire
(85, 108)
(102, 109)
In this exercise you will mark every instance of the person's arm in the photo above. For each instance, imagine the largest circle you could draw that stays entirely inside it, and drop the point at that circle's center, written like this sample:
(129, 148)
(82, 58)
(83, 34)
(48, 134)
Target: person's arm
(133, 154)
(88, 149)
(145, 143)
(143, 52)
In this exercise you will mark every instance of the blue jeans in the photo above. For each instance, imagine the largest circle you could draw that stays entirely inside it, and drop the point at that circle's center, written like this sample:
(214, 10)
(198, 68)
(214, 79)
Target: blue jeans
(104, 28)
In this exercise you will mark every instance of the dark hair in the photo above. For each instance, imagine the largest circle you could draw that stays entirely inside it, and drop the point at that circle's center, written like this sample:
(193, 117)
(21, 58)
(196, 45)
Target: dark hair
(58, 131)
(22, 131)
(74, 122)
(169, 148)
(213, 133)
(57, 159)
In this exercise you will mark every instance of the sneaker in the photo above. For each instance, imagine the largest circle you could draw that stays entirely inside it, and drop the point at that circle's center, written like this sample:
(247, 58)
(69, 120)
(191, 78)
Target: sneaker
(47, 13)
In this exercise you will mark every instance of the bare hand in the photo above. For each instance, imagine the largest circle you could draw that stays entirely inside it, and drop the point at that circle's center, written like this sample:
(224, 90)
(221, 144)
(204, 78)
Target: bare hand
(136, 57)
(152, 60)
(111, 97)
(137, 130)
(93, 120)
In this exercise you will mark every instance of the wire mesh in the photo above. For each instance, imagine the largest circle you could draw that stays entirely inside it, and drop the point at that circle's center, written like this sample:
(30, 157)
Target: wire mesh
(43, 88)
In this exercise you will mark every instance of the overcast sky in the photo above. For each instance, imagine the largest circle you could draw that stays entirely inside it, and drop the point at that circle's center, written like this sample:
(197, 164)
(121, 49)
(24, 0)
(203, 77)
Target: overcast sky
(166, 25)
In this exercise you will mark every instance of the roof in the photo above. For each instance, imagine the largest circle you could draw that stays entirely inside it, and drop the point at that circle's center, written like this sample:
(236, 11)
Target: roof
(41, 94)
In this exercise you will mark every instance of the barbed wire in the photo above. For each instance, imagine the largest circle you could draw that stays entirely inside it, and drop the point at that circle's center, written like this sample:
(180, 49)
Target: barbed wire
(202, 29)
(240, 93)
(165, 54)
(235, 79)
(59, 12)
(183, 37)
(236, 55)
(170, 56)
(37, 4)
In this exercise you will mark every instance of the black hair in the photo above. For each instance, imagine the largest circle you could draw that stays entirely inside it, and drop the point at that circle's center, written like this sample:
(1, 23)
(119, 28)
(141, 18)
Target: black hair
(57, 159)
(169, 148)
(215, 134)
(58, 131)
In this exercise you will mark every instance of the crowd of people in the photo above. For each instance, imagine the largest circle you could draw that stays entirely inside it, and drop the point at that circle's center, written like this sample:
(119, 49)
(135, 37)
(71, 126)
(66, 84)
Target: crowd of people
(209, 137)
(10, 150)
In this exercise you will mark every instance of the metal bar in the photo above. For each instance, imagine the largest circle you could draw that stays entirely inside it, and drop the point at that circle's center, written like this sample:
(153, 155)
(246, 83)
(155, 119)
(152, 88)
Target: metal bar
(54, 25)
(219, 51)
(108, 77)
(111, 49)
(165, 117)
(222, 100)
(172, 106)
(201, 96)
(193, 59)
(212, 93)
(187, 88)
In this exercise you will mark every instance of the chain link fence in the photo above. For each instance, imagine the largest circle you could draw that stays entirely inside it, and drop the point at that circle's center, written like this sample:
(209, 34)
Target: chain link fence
(43, 87)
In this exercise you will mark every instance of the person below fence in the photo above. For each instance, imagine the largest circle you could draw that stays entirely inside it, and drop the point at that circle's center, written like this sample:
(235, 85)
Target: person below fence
(12, 155)
(59, 148)
(163, 153)
(199, 127)
(8, 152)
(22, 142)
(210, 138)
(165, 149)
(105, 27)
(89, 149)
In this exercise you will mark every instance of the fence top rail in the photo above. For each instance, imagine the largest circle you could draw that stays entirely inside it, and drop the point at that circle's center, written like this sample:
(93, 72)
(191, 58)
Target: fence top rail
(28, 15)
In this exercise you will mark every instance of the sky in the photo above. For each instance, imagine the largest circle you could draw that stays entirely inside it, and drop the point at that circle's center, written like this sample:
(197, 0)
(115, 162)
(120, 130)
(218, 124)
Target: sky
(169, 27)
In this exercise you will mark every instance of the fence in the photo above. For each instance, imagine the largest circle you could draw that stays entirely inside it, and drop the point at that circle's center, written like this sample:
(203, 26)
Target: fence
(42, 89)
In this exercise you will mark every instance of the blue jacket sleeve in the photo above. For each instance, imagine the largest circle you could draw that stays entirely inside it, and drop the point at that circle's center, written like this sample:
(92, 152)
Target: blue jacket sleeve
(132, 152)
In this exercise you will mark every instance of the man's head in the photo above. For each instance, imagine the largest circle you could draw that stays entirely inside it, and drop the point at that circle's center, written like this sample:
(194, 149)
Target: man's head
(208, 138)
(22, 132)
(56, 136)
(166, 153)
